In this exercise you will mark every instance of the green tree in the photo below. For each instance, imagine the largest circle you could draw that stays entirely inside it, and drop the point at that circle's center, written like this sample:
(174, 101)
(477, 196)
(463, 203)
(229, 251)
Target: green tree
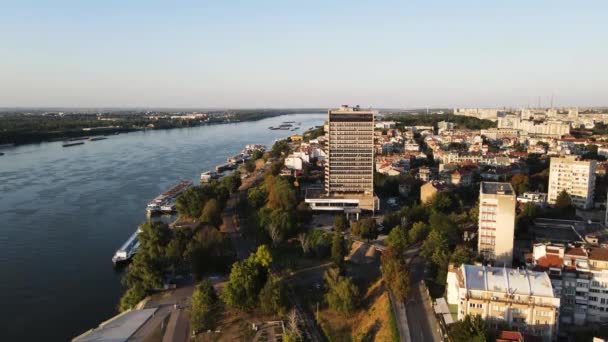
(342, 295)
(339, 223)
(441, 202)
(470, 329)
(257, 154)
(303, 212)
(154, 238)
(232, 182)
(249, 165)
(395, 273)
(278, 223)
(244, 284)
(520, 183)
(462, 255)
(563, 200)
(281, 194)
(204, 250)
(338, 249)
(256, 197)
(262, 256)
(280, 148)
(273, 296)
(418, 232)
(246, 279)
(204, 307)
(365, 228)
(445, 224)
(397, 239)
(211, 213)
(130, 298)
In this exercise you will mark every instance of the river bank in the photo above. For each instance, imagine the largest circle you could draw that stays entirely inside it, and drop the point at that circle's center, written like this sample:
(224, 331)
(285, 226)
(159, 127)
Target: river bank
(65, 211)
(20, 129)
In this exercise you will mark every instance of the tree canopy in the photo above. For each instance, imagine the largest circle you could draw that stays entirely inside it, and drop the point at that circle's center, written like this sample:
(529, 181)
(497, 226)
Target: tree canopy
(204, 307)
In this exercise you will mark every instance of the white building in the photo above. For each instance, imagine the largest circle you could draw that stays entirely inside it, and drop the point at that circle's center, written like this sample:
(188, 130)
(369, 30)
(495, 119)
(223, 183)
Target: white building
(538, 198)
(522, 299)
(575, 176)
(496, 222)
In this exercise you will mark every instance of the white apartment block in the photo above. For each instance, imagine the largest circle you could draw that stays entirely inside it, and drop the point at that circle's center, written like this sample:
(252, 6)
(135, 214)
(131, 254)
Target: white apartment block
(575, 176)
(496, 222)
(522, 299)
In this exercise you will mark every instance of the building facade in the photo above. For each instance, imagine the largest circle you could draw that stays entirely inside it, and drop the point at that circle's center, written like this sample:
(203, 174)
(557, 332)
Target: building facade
(575, 176)
(349, 167)
(496, 222)
(522, 299)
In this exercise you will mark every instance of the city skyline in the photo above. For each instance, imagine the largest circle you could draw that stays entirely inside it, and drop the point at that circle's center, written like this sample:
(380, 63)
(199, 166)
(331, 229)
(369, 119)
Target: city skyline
(277, 55)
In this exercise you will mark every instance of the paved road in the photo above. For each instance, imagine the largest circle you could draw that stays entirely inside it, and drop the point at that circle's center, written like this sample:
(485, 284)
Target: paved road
(421, 319)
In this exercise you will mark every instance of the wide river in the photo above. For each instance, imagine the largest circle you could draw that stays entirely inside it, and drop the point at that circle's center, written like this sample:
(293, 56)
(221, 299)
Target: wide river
(65, 211)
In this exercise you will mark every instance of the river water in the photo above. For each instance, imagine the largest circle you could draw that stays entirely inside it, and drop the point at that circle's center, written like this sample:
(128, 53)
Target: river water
(64, 212)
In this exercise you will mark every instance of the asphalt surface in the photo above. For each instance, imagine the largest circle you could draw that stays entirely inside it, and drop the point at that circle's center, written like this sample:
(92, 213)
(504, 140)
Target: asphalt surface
(421, 319)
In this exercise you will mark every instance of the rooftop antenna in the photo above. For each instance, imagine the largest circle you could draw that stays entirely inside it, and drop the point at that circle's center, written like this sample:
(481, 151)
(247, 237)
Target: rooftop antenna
(539, 102)
(551, 100)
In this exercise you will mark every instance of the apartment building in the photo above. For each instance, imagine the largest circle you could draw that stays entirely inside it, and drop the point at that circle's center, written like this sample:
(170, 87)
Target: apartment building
(522, 299)
(579, 276)
(349, 168)
(496, 222)
(575, 176)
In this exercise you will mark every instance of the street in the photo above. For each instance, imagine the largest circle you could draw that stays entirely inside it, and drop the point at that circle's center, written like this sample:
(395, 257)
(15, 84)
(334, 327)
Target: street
(421, 318)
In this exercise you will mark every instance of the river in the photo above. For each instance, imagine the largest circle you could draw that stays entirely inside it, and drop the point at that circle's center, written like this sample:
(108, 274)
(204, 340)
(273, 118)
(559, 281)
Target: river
(65, 210)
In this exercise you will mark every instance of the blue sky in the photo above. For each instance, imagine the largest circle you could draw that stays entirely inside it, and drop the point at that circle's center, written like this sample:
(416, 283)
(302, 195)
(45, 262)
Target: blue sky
(302, 53)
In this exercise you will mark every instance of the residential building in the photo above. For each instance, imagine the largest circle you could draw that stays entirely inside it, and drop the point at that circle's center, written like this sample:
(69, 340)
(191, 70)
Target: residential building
(445, 125)
(496, 222)
(430, 189)
(575, 176)
(579, 276)
(538, 198)
(349, 167)
(522, 299)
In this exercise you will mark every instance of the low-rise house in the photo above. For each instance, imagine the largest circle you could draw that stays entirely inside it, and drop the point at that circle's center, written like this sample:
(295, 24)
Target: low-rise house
(538, 198)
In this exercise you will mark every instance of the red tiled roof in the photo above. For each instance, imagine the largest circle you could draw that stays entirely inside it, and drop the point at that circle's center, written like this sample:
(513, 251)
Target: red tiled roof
(598, 254)
(550, 261)
(510, 336)
(575, 251)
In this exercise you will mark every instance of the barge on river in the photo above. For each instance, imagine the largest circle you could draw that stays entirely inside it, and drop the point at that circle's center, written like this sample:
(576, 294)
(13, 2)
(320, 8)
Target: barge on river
(165, 202)
(127, 250)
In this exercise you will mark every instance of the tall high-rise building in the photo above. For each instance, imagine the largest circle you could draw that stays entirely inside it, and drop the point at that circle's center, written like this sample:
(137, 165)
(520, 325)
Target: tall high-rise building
(349, 168)
(575, 176)
(496, 222)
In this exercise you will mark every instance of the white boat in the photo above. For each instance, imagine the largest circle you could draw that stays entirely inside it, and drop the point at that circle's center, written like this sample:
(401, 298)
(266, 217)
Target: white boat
(128, 249)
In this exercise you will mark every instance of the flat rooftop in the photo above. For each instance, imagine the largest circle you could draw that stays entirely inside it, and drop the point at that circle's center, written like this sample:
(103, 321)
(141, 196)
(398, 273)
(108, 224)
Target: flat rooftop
(507, 280)
(497, 188)
(118, 328)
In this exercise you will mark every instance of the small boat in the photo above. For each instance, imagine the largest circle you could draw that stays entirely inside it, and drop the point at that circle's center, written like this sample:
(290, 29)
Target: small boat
(77, 139)
(72, 144)
(97, 138)
(1, 153)
(127, 250)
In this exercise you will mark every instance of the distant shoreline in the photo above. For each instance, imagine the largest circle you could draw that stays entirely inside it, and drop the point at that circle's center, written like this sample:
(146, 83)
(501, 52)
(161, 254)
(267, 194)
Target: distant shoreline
(17, 138)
